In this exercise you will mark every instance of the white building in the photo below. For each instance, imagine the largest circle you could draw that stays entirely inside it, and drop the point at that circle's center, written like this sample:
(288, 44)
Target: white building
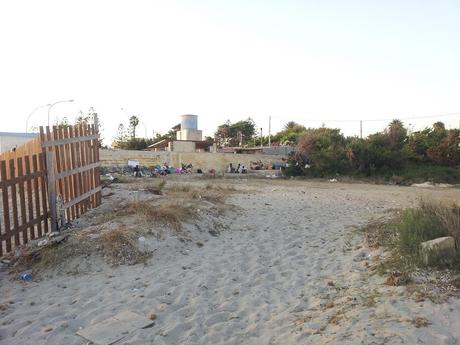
(188, 138)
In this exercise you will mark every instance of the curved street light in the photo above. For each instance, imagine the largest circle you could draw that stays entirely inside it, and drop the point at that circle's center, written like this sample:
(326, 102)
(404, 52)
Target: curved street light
(53, 104)
(33, 111)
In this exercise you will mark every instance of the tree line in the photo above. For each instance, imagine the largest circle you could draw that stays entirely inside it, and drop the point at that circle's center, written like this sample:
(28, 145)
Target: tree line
(393, 153)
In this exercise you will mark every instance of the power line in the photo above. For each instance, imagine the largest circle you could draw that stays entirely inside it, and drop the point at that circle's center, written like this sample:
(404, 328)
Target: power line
(372, 120)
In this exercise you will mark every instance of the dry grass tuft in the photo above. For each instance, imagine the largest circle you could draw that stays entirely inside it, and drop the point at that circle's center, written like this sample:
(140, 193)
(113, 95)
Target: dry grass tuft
(397, 278)
(421, 322)
(157, 190)
(120, 247)
(213, 193)
(169, 214)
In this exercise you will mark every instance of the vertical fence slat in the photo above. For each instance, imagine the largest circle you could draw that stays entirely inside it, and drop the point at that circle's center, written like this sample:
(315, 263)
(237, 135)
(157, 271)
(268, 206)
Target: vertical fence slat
(22, 199)
(76, 184)
(96, 159)
(14, 201)
(44, 192)
(6, 207)
(79, 164)
(83, 163)
(30, 206)
(87, 160)
(37, 192)
(68, 180)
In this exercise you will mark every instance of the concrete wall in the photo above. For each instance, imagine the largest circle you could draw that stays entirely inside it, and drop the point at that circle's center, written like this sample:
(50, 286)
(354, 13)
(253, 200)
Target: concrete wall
(205, 160)
(189, 134)
(183, 146)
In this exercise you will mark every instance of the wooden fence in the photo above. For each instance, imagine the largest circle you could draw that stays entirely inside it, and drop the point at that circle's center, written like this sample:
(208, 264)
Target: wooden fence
(42, 191)
(23, 210)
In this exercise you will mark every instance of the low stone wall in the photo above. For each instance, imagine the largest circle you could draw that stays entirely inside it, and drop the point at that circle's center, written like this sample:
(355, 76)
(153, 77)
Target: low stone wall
(204, 160)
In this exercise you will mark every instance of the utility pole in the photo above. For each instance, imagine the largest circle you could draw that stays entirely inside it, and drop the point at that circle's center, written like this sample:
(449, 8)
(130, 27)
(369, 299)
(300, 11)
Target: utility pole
(261, 138)
(269, 131)
(361, 129)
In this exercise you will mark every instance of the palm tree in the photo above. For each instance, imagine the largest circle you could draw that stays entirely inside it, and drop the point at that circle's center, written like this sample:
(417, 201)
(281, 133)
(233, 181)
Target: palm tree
(133, 123)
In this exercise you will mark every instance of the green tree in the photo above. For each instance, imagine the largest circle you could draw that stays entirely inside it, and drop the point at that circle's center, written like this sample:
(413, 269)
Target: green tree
(321, 152)
(241, 132)
(290, 133)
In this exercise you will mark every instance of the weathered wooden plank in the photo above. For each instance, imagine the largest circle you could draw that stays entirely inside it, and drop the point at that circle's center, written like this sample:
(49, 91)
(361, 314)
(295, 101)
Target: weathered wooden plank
(78, 170)
(11, 181)
(51, 190)
(44, 192)
(97, 171)
(58, 168)
(69, 180)
(32, 223)
(22, 201)
(14, 204)
(76, 180)
(30, 205)
(6, 208)
(88, 161)
(37, 192)
(78, 139)
(83, 196)
(81, 162)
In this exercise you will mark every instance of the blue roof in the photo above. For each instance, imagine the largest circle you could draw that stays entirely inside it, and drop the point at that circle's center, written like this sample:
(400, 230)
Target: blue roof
(21, 135)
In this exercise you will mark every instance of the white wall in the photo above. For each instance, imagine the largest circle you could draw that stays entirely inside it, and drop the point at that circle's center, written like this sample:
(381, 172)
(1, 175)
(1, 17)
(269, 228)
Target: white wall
(205, 161)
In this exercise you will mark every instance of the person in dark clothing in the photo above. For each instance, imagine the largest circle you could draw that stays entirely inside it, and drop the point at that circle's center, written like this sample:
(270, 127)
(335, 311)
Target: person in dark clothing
(137, 172)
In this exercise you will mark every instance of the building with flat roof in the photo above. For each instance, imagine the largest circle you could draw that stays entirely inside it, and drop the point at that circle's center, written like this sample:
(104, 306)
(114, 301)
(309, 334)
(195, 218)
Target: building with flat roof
(188, 138)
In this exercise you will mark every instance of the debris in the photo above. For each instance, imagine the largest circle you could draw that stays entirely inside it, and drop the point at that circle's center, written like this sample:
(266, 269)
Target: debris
(333, 180)
(397, 278)
(423, 185)
(213, 233)
(26, 276)
(421, 322)
(115, 328)
(42, 243)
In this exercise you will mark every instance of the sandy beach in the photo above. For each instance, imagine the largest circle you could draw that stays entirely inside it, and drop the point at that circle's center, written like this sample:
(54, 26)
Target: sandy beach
(284, 263)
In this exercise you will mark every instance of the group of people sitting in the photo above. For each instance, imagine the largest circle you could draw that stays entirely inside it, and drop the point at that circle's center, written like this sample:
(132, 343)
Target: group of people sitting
(240, 169)
(257, 165)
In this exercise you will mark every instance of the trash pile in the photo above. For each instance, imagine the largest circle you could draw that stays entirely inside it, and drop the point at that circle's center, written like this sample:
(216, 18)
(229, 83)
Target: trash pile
(144, 171)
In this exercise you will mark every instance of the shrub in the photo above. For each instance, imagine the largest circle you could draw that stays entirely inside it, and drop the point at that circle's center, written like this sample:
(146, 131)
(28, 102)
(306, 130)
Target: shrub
(429, 221)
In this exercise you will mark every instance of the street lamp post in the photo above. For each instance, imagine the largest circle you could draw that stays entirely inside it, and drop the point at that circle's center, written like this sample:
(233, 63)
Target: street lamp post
(53, 104)
(32, 112)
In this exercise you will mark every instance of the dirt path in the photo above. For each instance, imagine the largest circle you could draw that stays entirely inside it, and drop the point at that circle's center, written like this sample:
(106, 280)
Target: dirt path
(287, 268)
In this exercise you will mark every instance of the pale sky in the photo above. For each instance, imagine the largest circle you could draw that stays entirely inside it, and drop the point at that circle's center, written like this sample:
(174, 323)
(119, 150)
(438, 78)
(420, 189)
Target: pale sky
(308, 61)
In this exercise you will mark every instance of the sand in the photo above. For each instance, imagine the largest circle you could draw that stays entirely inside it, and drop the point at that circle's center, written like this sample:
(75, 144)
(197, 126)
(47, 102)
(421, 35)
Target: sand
(286, 267)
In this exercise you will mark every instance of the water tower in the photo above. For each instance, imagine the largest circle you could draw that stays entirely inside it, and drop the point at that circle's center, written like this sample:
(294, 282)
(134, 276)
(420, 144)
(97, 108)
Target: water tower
(189, 128)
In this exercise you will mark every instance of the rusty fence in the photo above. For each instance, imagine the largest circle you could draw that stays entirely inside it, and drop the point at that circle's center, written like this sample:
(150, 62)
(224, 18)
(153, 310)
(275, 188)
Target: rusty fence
(39, 192)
